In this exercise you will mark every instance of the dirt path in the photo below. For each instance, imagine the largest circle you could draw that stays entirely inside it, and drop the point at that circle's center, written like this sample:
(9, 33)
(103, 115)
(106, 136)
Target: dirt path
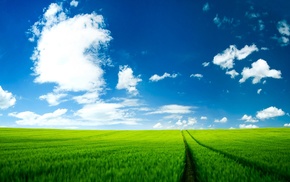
(189, 174)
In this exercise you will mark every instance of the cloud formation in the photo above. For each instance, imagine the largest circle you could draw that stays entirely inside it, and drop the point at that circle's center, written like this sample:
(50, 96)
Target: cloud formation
(156, 78)
(198, 76)
(248, 126)
(260, 69)
(172, 109)
(29, 118)
(68, 51)
(250, 119)
(223, 120)
(270, 112)
(232, 73)
(6, 99)
(126, 80)
(284, 30)
(157, 126)
(226, 59)
(205, 7)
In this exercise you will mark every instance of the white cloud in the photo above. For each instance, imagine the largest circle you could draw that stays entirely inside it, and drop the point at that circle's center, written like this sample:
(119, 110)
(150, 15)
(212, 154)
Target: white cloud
(270, 112)
(198, 76)
(284, 30)
(68, 51)
(6, 99)
(223, 120)
(205, 7)
(172, 109)
(87, 98)
(205, 64)
(157, 126)
(191, 121)
(29, 118)
(106, 114)
(226, 59)
(259, 91)
(248, 126)
(156, 78)
(283, 27)
(249, 119)
(74, 3)
(126, 80)
(252, 15)
(225, 20)
(264, 48)
(233, 73)
(260, 69)
(203, 118)
(179, 123)
(287, 124)
(261, 25)
(53, 99)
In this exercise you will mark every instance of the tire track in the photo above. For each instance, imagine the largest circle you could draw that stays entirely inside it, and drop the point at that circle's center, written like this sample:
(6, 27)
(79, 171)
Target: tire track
(244, 162)
(189, 173)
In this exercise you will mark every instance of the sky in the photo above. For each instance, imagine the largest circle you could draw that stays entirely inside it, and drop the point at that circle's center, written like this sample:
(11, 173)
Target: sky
(174, 64)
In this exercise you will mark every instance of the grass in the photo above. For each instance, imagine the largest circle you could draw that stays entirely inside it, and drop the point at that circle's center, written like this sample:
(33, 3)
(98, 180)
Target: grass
(90, 155)
(66, 155)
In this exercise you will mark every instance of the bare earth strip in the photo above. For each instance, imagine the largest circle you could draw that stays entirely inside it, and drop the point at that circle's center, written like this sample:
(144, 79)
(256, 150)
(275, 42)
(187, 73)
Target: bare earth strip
(189, 174)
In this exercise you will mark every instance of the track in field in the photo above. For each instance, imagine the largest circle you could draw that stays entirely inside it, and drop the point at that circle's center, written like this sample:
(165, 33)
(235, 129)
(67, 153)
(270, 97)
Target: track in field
(189, 174)
(244, 162)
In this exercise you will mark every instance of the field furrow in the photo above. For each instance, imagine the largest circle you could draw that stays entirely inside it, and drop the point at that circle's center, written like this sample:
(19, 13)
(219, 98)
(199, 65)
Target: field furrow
(214, 166)
(267, 150)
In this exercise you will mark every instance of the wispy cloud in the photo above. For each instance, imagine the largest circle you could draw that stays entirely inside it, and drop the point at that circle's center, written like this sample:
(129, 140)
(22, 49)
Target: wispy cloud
(260, 69)
(156, 78)
(206, 7)
(205, 64)
(172, 109)
(284, 30)
(248, 126)
(197, 75)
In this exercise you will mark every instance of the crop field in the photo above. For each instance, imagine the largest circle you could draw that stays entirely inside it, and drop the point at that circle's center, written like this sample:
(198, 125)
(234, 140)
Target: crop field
(163, 155)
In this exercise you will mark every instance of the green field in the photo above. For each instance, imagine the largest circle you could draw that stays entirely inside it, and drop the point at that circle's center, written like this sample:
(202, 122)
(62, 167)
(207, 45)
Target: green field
(165, 155)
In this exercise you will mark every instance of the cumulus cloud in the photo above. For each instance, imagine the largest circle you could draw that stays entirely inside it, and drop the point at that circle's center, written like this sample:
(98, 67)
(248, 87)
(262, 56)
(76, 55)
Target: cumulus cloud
(248, 126)
(156, 78)
(205, 7)
(226, 59)
(260, 69)
(223, 120)
(270, 112)
(203, 118)
(198, 76)
(68, 51)
(53, 99)
(172, 109)
(287, 125)
(74, 3)
(6, 99)
(126, 80)
(250, 119)
(232, 73)
(205, 64)
(259, 91)
(157, 126)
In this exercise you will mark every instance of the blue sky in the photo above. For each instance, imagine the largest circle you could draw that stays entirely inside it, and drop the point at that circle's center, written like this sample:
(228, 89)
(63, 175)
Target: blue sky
(144, 64)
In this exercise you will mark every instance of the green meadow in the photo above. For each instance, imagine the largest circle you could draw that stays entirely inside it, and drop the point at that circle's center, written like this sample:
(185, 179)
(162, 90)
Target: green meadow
(164, 155)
